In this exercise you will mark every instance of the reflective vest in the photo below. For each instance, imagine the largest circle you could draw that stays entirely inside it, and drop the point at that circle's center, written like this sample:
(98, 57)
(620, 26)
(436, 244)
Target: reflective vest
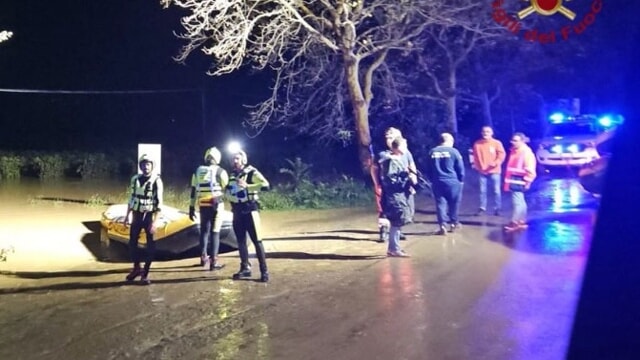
(147, 196)
(252, 177)
(521, 167)
(206, 182)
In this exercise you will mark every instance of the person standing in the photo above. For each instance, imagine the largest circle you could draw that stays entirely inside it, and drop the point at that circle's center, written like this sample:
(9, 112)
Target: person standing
(395, 181)
(383, 223)
(488, 156)
(519, 175)
(207, 184)
(143, 208)
(245, 182)
(446, 173)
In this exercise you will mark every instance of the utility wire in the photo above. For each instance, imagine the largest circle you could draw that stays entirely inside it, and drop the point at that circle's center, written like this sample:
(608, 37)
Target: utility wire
(91, 92)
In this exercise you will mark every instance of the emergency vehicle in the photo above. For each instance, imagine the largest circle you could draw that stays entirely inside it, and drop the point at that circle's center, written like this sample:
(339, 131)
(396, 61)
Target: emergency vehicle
(573, 141)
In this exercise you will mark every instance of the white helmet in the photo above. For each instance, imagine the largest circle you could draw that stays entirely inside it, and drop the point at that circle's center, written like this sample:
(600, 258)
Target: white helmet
(243, 156)
(145, 158)
(214, 154)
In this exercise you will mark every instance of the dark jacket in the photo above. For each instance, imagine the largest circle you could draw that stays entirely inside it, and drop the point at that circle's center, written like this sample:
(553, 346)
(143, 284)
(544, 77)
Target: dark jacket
(395, 181)
(445, 165)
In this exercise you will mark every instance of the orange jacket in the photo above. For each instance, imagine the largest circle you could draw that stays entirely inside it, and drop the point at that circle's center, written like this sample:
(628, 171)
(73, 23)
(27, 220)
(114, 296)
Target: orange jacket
(488, 156)
(521, 167)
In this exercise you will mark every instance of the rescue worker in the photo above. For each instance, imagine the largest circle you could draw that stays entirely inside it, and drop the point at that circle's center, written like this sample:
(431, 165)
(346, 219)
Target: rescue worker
(207, 189)
(519, 175)
(446, 173)
(488, 156)
(383, 223)
(245, 182)
(143, 208)
(395, 180)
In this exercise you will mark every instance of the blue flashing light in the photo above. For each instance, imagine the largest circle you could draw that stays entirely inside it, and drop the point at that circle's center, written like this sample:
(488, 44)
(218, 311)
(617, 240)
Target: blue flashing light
(556, 118)
(556, 149)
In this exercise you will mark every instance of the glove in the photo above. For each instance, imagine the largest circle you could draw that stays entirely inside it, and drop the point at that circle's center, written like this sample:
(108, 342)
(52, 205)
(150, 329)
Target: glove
(192, 213)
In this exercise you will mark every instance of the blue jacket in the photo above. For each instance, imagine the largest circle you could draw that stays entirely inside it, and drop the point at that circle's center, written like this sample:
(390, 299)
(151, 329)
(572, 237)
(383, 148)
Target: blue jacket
(445, 165)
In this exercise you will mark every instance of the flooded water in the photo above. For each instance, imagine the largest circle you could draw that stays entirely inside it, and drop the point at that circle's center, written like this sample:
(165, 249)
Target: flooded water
(475, 294)
(61, 190)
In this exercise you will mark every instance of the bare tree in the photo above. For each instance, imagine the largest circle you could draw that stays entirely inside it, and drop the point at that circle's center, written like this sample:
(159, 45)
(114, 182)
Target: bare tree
(326, 55)
(448, 48)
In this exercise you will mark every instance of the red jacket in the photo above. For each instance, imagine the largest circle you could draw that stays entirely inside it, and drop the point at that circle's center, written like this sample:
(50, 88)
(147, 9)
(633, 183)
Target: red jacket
(521, 167)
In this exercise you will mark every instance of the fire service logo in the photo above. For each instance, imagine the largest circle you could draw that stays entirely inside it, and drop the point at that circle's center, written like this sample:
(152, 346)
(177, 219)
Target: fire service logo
(546, 8)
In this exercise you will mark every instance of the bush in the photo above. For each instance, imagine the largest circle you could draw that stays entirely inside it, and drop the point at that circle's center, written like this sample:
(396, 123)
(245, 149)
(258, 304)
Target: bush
(5, 251)
(49, 166)
(343, 192)
(10, 166)
(95, 166)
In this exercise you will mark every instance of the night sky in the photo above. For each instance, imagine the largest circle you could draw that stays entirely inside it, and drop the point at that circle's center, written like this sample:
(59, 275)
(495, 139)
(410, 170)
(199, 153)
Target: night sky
(120, 45)
(115, 45)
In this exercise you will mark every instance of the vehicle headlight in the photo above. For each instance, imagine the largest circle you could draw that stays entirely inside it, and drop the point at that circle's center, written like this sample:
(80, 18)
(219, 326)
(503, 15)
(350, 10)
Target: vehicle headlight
(556, 149)
(573, 148)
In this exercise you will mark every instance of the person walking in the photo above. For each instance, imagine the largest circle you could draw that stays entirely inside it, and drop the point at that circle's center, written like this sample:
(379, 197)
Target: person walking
(245, 182)
(207, 184)
(519, 175)
(383, 223)
(446, 173)
(488, 156)
(144, 205)
(395, 181)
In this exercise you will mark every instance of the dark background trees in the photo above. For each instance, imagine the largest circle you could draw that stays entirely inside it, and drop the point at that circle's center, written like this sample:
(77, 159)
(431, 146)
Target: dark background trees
(503, 79)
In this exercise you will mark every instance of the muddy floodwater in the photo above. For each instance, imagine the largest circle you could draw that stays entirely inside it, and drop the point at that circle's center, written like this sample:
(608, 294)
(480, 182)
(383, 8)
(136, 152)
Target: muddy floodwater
(473, 294)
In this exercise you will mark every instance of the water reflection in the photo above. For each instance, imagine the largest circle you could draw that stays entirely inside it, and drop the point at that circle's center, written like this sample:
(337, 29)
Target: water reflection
(63, 189)
(236, 343)
(563, 234)
(562, 195)
(397, 282)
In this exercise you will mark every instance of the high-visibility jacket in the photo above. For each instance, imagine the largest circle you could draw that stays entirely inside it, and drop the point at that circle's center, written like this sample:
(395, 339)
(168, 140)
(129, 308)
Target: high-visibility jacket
(146, 193)
(207, 185)
(521, 167)
(255, 183)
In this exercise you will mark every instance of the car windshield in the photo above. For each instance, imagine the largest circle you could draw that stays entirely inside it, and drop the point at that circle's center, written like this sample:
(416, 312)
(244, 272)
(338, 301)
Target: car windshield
(571, 130)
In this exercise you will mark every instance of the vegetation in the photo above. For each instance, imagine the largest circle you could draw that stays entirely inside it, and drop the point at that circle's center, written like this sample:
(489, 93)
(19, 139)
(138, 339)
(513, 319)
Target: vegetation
(328, 57)
(4, 252)
(10, 166)
(300, 190)
(54, 165)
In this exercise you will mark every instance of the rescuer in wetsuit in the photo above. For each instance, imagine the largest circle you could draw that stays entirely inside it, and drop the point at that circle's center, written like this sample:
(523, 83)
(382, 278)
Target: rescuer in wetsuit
(245, 182)
(144, 205)
(207, 184)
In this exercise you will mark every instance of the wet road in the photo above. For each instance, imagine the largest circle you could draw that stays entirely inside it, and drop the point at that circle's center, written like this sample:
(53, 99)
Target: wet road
(474, 294)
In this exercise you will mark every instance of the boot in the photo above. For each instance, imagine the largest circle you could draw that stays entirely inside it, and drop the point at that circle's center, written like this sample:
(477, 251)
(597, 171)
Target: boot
(144, 279)
(215, 265)
(264, 277)
(204, 261)
(135, 272)
(244, 273)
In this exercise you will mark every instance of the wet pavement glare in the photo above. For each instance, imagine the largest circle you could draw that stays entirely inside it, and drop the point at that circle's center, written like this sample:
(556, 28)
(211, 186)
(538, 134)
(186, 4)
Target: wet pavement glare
(475, 294)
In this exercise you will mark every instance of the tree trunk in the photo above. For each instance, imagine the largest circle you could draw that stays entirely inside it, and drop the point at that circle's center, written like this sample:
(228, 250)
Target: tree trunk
(452, 99)
(360, 112)
(487, 117)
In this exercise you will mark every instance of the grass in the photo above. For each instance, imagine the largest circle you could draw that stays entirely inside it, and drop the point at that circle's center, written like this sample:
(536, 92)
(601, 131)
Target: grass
(344, 192)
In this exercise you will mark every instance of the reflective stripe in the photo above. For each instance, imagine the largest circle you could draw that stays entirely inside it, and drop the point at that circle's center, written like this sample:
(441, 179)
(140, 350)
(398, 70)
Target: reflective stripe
(511, 181)
(240, 196)
(207, 185)
(143, 197)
